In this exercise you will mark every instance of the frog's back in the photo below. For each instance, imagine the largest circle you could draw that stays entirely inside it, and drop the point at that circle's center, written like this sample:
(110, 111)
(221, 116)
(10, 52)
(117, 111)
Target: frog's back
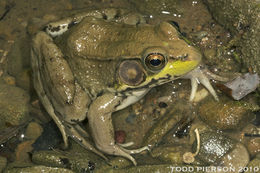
(95, 47)
(100, 39)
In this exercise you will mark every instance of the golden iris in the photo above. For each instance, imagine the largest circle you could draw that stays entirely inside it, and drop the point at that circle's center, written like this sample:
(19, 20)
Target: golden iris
(155, 61)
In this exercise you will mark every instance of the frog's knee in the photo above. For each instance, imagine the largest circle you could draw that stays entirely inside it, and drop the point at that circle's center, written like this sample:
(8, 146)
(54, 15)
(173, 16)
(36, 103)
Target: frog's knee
(77, 110)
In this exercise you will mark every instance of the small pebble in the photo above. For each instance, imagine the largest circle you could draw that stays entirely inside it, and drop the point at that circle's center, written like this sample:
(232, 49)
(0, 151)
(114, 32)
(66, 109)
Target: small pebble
(9, 80)
(120, 136)
(130, 118)
(210, 54)
(253, 146)
(163, 105)
(22, 151)
(200, 35)
(33, 130)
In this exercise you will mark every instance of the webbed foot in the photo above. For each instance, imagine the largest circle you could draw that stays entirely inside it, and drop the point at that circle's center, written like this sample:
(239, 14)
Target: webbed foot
(119, 150)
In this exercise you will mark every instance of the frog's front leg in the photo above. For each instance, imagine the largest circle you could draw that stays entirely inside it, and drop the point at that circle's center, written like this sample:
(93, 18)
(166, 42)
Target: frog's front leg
(202, 75)
(100, 122)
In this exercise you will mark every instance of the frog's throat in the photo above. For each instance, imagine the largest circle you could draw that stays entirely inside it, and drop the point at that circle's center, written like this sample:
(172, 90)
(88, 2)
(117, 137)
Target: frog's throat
(171, 71)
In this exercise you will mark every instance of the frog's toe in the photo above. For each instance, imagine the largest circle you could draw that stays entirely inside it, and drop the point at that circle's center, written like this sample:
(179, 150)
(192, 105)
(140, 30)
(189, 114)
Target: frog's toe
(194, 87)
(117, 151)
(202, 76)
(205, 81)
(128, 144)
(136, 151)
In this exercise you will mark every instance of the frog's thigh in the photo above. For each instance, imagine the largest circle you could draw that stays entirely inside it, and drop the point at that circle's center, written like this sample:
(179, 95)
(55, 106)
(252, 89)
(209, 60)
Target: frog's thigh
(54, 69)
(100, 122)
(40, 84)
(55, 84)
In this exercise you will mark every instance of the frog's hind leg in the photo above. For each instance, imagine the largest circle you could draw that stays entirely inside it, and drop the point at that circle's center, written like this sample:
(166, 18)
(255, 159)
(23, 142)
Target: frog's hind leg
(100, 122)
(44, 99)
(79, 135)
(63, 98)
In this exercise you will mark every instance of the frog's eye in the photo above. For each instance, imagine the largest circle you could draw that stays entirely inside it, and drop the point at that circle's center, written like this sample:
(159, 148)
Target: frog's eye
(155, 61)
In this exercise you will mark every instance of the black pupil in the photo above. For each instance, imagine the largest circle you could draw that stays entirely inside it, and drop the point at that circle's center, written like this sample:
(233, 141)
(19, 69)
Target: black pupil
(155, 62)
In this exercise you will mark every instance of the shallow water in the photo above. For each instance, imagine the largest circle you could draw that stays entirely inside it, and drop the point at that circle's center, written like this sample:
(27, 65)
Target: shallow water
(136, 121)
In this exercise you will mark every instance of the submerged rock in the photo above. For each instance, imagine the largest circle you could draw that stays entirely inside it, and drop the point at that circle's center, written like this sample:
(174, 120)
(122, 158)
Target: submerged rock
(120, 136)
(225, 114)
(253, 146)
(49, 138)
(213, 146)
(39, 168)
(170, 154)
(178, 116)
(3, 163)
(237, 158)
(253, 166)
(14, 106)
(161, 168)
(76, 158)
(221, 151)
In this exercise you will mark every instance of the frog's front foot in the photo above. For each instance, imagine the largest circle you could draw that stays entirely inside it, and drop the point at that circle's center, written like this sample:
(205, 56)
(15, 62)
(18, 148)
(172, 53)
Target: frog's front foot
(202, 75)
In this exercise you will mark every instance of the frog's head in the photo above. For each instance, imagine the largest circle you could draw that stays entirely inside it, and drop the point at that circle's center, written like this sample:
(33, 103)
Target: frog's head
(169, 59)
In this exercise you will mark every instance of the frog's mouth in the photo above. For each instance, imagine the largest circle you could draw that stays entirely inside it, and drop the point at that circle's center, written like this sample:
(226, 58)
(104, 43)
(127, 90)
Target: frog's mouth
(173, 70)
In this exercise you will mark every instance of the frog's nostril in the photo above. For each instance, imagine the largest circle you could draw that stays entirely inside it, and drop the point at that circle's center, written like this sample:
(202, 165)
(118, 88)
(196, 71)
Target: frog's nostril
(183, 57)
